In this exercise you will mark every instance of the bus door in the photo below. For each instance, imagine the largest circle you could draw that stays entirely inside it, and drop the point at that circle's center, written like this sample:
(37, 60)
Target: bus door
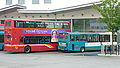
(72, 42)
(79, 42)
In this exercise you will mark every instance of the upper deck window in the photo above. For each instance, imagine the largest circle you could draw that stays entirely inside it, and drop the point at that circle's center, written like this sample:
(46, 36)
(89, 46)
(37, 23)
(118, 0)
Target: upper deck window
(35, 1)
(19, 24)
(29, 24)
(8, 23)
(58, 25)
(47, 1)
(40, 24)
(1, 21)
(49, 25)
(66, 26)
(21, 1)
(34, 24)
(8, 2)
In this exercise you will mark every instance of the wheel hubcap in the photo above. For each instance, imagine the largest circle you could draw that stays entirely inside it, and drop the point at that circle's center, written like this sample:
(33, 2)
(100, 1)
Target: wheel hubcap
(27, 49)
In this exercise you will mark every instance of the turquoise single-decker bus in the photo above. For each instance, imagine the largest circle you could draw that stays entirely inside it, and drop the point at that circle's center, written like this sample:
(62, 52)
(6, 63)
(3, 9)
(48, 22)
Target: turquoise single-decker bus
(79, 41)
(1, 40)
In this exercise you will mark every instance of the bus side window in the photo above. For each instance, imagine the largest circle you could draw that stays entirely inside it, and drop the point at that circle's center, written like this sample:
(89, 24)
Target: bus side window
(77, 37)
(19, 24)
(1, 38)
(8, 23)
(83, 37)
(71, 37)
(104, 38)
(100, 38)
(21, 39)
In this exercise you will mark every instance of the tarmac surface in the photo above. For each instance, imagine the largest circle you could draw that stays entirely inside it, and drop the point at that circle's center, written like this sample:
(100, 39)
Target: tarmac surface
(56, 59)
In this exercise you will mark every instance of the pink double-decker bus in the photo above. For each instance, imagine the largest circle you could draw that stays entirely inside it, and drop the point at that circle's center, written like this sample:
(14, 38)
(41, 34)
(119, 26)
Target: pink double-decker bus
(32, 35)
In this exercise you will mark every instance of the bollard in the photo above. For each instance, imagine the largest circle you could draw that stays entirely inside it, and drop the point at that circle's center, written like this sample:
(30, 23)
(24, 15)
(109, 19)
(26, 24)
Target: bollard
(105, 49)
(118, 49)
(110, 49)
(83, 53)
(102, 49)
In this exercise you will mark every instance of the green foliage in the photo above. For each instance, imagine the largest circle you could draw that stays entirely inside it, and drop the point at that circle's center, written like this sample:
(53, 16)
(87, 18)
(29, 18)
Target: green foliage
(110, 11)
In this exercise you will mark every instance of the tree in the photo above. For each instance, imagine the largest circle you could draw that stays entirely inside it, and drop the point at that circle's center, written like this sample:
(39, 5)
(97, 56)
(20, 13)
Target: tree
(110, 11)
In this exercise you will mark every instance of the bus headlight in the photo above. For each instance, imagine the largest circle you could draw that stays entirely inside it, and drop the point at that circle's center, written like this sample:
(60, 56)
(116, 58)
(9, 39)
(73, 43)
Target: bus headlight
(63, 44)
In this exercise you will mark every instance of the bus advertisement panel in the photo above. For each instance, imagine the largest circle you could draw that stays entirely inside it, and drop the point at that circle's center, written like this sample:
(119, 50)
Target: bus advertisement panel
(33, 35)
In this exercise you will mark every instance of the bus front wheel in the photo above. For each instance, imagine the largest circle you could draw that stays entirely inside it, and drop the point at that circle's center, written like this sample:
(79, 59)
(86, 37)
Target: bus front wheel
(27, 49)
(82, 49)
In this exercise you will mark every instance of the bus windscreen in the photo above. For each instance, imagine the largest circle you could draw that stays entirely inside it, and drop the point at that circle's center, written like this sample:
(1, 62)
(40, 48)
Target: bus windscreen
(63, 35)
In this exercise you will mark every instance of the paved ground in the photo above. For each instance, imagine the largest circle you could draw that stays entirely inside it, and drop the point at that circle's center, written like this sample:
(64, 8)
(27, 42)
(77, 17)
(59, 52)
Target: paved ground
(56, 60)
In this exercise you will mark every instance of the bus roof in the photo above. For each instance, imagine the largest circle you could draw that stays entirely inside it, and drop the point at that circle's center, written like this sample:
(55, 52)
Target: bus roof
(35, 20)
(79, 33)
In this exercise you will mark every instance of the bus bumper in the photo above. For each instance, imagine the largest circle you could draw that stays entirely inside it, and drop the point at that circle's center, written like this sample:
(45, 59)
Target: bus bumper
(62, 48)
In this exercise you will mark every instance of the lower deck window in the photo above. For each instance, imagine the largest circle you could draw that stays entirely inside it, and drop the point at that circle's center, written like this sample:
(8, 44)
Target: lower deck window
(8, 36)
(37, 39)
(1, 38)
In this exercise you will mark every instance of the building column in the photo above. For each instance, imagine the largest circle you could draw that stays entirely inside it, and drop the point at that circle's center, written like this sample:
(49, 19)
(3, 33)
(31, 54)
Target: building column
(84, 30)
(55, 16)
(71, 25)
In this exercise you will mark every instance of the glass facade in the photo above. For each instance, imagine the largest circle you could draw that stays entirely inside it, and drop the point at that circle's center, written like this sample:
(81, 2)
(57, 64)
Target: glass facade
(84, 25)
(88, 25)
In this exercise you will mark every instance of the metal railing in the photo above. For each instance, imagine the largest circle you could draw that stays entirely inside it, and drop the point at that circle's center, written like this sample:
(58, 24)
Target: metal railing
(110, 49)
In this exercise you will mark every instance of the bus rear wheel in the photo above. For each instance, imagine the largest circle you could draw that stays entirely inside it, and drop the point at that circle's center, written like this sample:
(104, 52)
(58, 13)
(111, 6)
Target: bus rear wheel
(82, 49)
(27, 49)
(2, 48)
